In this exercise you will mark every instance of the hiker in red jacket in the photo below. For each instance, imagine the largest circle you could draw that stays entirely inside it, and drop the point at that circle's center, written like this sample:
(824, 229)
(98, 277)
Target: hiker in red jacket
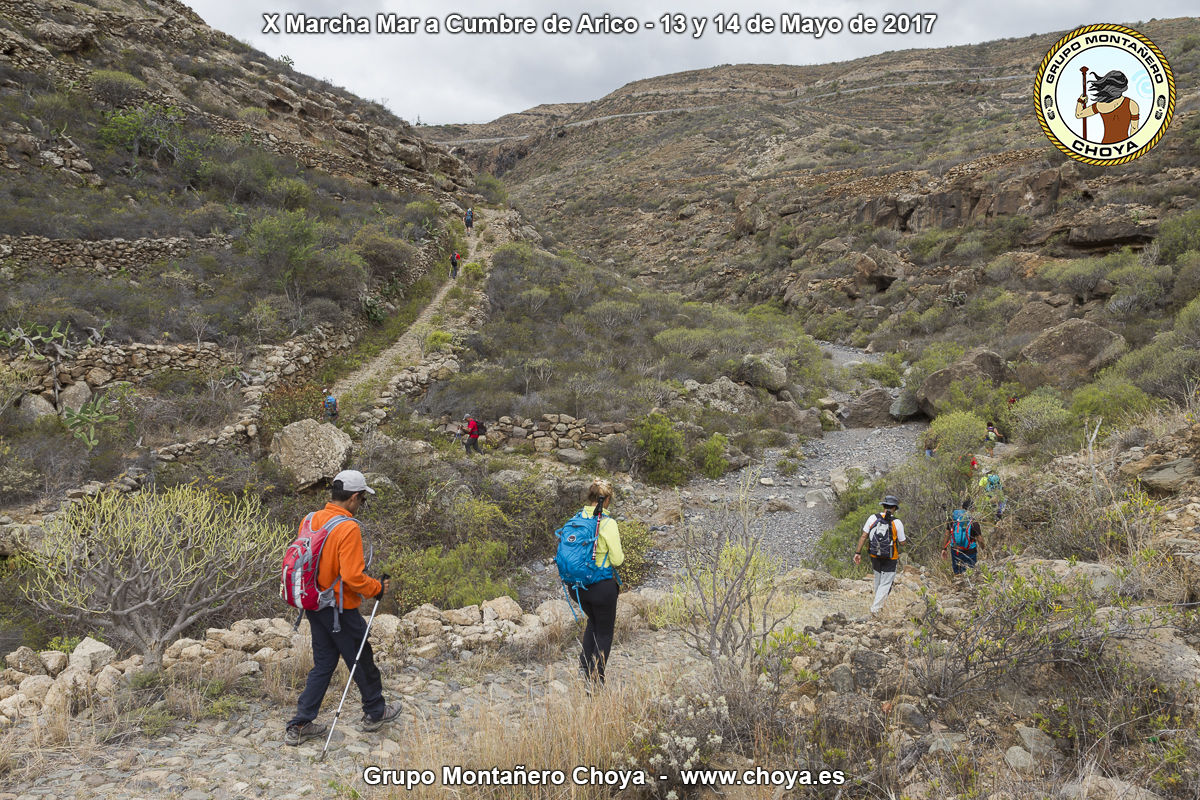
(471, 428)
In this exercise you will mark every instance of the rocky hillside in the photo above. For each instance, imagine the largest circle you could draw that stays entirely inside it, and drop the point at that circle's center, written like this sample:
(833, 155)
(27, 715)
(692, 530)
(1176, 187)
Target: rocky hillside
(736, 183)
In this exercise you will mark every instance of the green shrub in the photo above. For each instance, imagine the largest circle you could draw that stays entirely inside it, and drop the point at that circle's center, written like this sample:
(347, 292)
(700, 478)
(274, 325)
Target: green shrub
(152, 130)
(1177, 235)
(709, 456)
(387, 256)
(437, 341)
(661, 451)
(491, 188)
(472, 272)
(290, 403)
(1187, 278)
(464, 575)
(636, 543)
(114, 87)
(1041, 419)
(1112, 398)
(1081, 276)
(290, 193)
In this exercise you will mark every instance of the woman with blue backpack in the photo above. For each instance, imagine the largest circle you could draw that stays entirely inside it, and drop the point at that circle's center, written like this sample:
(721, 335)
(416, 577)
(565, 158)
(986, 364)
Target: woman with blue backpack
(962, 539)
(589, 546)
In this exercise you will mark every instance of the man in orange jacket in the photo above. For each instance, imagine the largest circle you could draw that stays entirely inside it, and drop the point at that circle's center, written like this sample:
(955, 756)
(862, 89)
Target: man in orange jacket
(342, 557)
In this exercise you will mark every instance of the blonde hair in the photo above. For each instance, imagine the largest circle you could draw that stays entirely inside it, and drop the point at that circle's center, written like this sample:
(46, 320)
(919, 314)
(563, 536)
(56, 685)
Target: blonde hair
(598, 491)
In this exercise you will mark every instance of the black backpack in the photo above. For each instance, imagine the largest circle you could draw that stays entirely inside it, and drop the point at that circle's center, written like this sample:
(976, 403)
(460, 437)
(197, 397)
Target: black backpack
(881, 539)
(480, 428)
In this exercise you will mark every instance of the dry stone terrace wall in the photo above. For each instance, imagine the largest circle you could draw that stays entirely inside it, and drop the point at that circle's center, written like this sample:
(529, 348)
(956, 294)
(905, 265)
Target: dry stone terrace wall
(101, 255)
(54, 682)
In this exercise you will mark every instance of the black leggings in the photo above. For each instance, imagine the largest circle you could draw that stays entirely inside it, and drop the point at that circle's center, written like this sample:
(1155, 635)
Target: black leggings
(599, 603)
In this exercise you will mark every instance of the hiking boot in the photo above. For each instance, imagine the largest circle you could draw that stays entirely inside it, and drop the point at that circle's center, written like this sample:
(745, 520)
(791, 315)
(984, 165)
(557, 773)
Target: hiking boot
(295, 734)
(390, 712)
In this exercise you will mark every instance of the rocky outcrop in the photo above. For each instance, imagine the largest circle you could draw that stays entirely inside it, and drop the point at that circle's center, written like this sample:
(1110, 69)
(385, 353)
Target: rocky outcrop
(1035, 317)
(311, 451)
(871, 409)
(764, 371)
(979, 364)
(1074, 350)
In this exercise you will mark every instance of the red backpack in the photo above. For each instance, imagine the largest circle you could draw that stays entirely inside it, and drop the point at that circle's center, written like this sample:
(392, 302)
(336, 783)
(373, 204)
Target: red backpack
(298, 584)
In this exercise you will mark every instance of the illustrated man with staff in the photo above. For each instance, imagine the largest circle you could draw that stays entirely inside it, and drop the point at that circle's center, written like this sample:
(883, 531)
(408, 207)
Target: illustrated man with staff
(1119, 113)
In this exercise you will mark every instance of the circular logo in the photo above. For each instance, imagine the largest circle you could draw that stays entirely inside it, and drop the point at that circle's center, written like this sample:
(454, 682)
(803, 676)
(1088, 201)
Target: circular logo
(1104, 94)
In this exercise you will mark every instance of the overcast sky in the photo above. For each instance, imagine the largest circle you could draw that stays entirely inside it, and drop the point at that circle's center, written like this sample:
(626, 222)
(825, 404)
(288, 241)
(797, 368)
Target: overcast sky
(447, 77)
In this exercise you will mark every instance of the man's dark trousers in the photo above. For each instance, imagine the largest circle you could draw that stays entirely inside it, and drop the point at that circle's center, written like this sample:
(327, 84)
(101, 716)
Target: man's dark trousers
(327, 647)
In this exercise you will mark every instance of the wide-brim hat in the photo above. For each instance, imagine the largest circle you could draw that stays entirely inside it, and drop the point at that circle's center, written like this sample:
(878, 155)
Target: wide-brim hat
(890, 500)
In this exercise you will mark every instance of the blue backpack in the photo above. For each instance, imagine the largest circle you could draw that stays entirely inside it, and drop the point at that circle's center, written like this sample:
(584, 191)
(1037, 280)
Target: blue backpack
(962, 530)
(576, 557)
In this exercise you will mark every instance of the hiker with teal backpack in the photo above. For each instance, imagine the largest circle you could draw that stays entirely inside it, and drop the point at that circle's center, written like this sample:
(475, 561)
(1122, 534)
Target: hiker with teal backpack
(329, 406)
(991, 485)
(962, 539)
(589, 547)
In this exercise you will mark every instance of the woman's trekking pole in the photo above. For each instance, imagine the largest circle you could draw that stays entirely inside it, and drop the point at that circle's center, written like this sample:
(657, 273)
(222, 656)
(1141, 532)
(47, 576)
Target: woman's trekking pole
(350, 680)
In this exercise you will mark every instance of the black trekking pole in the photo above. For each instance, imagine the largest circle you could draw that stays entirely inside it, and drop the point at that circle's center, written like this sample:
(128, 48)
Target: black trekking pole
(353, 666)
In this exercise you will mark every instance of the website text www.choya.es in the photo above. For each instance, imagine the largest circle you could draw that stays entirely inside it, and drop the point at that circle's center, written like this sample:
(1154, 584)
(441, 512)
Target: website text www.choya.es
(521, 775)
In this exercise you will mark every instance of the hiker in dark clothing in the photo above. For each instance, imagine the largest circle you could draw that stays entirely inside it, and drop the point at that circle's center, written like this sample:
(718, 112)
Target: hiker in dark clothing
(884, 535)
(454, 259)
(471, 428)
(469, 219)
(599, 600)
(338, 634)
(962, 539)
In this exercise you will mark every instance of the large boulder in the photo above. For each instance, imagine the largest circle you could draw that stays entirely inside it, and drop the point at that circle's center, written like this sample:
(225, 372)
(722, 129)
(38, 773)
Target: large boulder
(75, 396)
(904, 407)
(723, 395)
(871, 409)
(32, 408)
(933, 396)
(979, 364)
(1034, 317)
(764, 371)
(25, 660)
(1098, 787)
(1171, 476)
(788, 416)
(91, 655)
(1073, 350)
(311, 451)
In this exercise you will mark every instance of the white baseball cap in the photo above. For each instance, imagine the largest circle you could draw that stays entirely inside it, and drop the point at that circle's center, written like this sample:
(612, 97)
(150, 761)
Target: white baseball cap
(353, 481)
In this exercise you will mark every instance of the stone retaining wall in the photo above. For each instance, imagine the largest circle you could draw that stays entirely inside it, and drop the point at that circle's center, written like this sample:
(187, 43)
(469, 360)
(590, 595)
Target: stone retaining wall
(100, 255)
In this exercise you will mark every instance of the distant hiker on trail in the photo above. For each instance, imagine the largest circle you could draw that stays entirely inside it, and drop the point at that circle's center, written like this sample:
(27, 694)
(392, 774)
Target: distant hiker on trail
(930, 444)
(884, 536)
(454, 259)
(472, 429)
(339, 630)
(329, 406)
(1120, 113)
(469, 219)
(991, 485)
(589, 547)
(990, 438)
(962, 539)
